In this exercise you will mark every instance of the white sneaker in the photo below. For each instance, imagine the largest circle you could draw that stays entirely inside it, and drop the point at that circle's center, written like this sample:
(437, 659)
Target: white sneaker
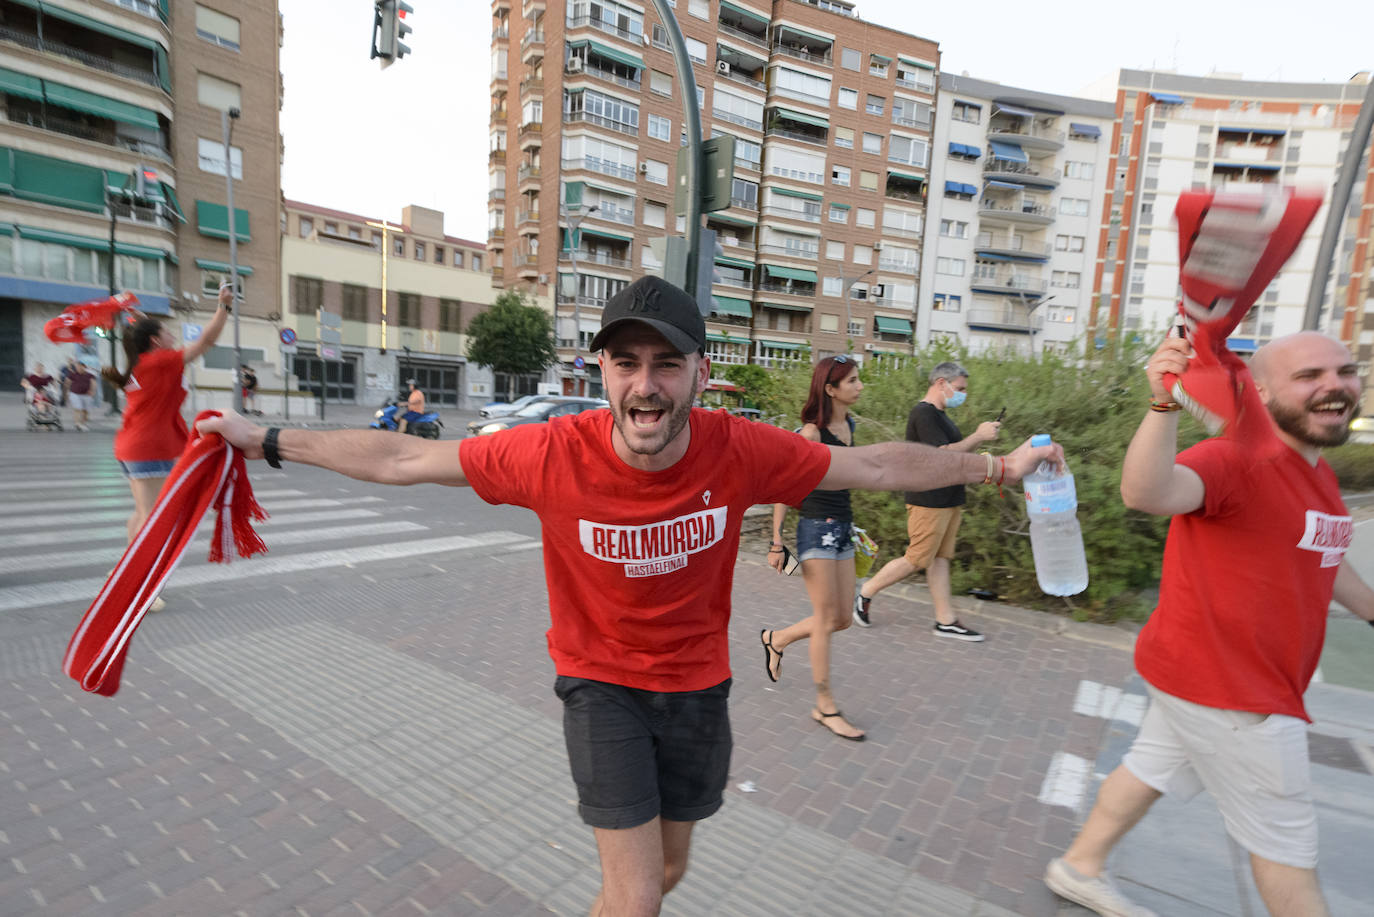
(1097, 893)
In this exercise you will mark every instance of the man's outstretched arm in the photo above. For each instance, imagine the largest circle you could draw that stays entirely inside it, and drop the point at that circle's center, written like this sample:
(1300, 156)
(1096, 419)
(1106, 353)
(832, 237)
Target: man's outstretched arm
(912, 466)
(1353, 592)
(368, 455)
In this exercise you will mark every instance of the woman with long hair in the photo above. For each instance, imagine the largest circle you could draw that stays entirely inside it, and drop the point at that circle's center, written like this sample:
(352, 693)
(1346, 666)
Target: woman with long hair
(153, 434)
(825, 547)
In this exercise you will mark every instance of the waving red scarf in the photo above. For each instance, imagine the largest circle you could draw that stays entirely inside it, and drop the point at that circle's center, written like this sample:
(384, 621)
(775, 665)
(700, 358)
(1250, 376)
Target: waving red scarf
(209, 474)
(69, 327)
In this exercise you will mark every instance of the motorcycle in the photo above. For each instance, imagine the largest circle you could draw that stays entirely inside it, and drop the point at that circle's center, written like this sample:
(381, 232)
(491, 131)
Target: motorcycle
(426, 426)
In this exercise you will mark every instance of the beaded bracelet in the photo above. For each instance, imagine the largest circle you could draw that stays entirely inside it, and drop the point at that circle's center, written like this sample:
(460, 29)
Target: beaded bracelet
(997, 468)
(1165, 407)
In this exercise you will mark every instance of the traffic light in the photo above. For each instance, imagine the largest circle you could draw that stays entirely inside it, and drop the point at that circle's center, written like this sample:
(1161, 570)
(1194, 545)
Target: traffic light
(388, 28)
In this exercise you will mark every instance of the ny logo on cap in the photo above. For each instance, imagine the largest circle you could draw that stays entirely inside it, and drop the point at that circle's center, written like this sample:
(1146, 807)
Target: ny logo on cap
(645, 299)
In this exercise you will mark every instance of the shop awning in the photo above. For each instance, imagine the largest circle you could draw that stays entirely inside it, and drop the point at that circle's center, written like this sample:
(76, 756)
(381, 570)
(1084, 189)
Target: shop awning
(729, 305)
(909, 176)
(788, 192)
(735, 262)
(790, 273)
(1008, 152)
(1167, 98)
(222, 267)
(98, 105)
(744, 11)
(20, 84)
(780, 345)
(1008, 185)
(213, 220)
(1015, 111)
(606, 51)
(887, 325)
(1087, 130)
(800, 118)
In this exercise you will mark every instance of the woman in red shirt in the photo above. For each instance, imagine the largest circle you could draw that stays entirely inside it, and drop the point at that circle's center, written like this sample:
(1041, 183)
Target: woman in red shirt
(153, 434)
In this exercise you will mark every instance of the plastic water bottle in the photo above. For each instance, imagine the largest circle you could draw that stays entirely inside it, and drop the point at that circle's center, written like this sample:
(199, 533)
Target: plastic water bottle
(1056, 540)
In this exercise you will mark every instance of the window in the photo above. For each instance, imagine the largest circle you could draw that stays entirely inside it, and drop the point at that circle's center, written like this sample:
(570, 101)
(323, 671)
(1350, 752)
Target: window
(737, 109)
(305, 226)
(450, 315)
(902, 222)
(844, 138)
(1078, 169)
(865, 218)
(354, 303)
(213, 92)
(910, 113)
(438, 254)
(839, 175)
(873, 143)
(832, 286)
(660, 128)
(830, 323)
(1067, 314)
(699, 8)
(607, 111)
(419, 251)
(356, 233)
(875, 105)
(457, 258)
(656, 172)
(948, 302)
(307, 294)
(654, 214)
(1065, 280)
(661, 83)
(217, 28)
(951, 266)
(696, 50)
(476, 262)
(877, 65)
(967, 111)
(848, 98)
(745, 193)
(954, 229)
(408, 310)
(868, 181)
(907, 150)
(398, 246)
(911, 76)
(834, 251)
(1063, 243)
(850, 59)
(786, 162)
(800, 85)
(1073, 206)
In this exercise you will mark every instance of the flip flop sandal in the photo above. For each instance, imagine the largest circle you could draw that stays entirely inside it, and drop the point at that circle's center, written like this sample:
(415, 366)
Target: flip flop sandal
(822, 717)
(768, 654)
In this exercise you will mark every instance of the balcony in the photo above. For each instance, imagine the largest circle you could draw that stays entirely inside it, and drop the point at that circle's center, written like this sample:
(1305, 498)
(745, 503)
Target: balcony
(526, 266)
(526, 173)
(532, 46)
(596, 164)
(737, 75)
(1024, 131)
(595, 22)
(792, 125)
(790, 213)
(531, 86)
(1007, 281)
(735, 31)
(501, 33)
(791, 251)
(744, 203)
(95, 130)
(600, 257)
(898, 266)
(51, 43)
(788, 288)
(496, 194)
(496, 238)
(531, 134)
(496, 157)
(500, 6)
(610, 213)
(1011, 245)
(1021, 172)
(498, 114)
(1026, 212)
(733, 118)
(1005, 318)
(528, 216)
(584, 117)
(812, 54)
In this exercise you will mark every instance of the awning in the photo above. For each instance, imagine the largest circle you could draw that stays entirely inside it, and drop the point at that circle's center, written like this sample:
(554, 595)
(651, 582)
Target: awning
(780, 345)
(712, 336)
(20, 84)
(812, 36)
(597, 231)
(6, 229)
(100, 106)
(887, 325)
(86, 22)
(213, 220)
(572, 193)
(1009, 185)
(1167, 98)
(786, 307)
(88, 243)
(1087, 130)
(958, 187)
(57, 181)
(788, 192)
(916, 63)
(606, 51)
(1013, 110)
(222, 267)
(732, 220)
(989, 256)
(1009, 152)
(790, 273)
(908, 176)
(1262, 131)
(735, 262)
(729, 305)
(800, 118)
(963, 149)
(172, 201)
(968, 104)
(119, 183)
(885, 60)
(839, 205)
(744, 11)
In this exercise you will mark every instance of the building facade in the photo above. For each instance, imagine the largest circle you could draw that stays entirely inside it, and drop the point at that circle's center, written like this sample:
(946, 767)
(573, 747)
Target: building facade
(832, 121)
(101, 101)
(405, 293)
(1016, 181)
(1175, 133)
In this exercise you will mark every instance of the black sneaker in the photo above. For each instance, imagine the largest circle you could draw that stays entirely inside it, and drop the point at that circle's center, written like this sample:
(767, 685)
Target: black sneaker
(861, 610)
(958, 632)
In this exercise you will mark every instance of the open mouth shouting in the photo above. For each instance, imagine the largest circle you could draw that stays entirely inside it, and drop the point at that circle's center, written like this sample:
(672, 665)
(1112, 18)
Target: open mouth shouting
(646, 418)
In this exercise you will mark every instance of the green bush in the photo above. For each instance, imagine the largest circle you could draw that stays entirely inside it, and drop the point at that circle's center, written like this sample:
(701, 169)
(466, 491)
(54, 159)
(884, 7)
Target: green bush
(1354, 466)
(1091, 408)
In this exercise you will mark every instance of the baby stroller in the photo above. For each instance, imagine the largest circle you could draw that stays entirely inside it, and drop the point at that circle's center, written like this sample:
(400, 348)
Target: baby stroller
(43, 412)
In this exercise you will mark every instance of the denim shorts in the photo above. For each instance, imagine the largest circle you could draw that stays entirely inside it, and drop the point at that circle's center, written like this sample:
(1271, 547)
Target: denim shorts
(639, 754)
(156, 469)
(824, 539)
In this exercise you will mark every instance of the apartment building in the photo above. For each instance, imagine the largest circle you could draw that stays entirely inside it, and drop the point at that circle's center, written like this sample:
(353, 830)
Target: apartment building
(101, 100)
(408, 325)
(1015, 186)
(832, 120)
(1176, 133)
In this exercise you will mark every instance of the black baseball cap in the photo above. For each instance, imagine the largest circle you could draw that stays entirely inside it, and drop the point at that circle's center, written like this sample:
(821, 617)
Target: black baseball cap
(660, 305)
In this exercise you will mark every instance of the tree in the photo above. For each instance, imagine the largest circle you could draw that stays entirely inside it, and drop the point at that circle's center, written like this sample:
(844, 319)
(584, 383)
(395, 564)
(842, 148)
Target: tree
(512, 337)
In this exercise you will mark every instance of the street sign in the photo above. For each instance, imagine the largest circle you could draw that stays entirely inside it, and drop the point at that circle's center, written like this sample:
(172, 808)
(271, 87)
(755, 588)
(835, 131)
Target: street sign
(190, 332)
(579, 362)
(329, 353)
(288, 348)
(288, 336)
(329, 319)
(330, 335)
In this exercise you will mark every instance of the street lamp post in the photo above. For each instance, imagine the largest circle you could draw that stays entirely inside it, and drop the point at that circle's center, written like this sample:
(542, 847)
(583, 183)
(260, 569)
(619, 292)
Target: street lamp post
(386, 228)
(846, 284)
(574, 222)
(227, 119)
(1030, 315)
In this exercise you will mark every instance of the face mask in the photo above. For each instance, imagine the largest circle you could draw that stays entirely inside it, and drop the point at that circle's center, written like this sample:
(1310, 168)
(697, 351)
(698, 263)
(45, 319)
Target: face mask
(955, 398)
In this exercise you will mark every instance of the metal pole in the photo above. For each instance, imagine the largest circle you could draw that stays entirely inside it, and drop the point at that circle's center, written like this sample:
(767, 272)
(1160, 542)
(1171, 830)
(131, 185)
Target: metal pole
(227, 117)
(386, 252)
(1340, 200)
(574, 225)
(691, 119)
(848, 318)
(286, 383)
(114, 326)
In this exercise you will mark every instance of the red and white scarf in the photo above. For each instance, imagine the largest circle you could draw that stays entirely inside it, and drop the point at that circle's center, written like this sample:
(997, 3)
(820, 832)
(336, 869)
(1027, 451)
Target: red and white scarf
(210, 473)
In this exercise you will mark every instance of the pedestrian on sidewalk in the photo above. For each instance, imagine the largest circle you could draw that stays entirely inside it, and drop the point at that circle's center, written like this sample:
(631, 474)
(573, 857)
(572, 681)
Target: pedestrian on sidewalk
(932, 516)
(640, 507)
(80, 392)
(35, 382)
(249, 382)
(825, 545)
(152, 434)
(1255, 553)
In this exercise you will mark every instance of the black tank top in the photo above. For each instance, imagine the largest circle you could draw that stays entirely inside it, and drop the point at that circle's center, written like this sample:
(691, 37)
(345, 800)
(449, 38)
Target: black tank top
(830, 504)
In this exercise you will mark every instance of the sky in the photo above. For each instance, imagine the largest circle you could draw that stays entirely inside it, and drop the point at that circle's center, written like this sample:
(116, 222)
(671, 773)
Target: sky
(370, 141)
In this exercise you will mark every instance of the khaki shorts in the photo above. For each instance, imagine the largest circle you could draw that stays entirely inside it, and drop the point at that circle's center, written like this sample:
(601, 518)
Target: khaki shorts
(1255, 766)
(932, 532)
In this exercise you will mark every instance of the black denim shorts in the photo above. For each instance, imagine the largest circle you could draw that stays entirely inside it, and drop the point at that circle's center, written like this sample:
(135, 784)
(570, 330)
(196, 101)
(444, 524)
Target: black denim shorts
(639, 754)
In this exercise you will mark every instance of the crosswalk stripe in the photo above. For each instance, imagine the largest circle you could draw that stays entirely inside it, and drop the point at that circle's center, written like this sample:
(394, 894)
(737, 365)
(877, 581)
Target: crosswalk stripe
(39, 476)
(118, 533)
(84, 590)
(114, 515)
(124, 499)
(58, 560)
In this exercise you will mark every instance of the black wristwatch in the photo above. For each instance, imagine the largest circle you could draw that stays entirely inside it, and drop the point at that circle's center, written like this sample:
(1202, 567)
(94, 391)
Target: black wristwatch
(269, 447)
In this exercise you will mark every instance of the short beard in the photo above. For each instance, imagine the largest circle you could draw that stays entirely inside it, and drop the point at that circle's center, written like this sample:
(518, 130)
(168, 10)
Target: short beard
(1295, 422)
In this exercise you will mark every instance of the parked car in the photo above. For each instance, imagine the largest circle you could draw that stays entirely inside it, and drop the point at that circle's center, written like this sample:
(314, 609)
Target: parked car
(751, 413)
(536, 412)
(502, 408)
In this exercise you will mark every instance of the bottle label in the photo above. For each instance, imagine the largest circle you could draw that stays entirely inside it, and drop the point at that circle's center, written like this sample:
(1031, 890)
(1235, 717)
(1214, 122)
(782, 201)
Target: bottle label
(1052, 495)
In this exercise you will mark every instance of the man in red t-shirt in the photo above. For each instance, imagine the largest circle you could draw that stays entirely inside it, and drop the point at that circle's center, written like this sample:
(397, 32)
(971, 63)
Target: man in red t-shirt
(640, 508)
(1255, 553)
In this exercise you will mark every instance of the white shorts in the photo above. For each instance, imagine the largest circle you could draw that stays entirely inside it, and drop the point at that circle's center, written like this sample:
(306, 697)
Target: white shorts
(1255, 766)
(81, 402)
